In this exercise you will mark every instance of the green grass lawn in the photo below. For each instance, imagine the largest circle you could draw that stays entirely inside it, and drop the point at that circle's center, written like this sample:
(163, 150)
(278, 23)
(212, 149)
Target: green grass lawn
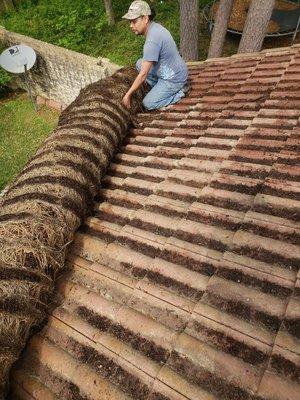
(22, 130)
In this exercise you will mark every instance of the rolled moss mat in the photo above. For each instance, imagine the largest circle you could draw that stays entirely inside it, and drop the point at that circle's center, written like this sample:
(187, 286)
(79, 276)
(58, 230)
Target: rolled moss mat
(48, 201)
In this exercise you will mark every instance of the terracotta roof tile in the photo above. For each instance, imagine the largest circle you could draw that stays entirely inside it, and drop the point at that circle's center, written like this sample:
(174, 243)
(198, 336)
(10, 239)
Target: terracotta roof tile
(185, 282)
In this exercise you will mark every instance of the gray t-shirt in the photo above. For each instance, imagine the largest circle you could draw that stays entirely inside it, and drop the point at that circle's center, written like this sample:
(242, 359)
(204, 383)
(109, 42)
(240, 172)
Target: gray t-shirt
(161, 48)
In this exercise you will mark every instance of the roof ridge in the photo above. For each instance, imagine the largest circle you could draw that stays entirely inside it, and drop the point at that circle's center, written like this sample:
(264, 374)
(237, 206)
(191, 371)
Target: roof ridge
(277, 50)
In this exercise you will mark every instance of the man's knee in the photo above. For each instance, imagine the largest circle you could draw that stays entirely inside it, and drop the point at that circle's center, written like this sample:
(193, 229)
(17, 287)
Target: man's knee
(138, 64)
(149, 104)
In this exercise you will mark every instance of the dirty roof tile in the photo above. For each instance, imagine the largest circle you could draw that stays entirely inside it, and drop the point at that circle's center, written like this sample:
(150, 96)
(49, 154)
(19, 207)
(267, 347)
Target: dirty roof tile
(184, 284)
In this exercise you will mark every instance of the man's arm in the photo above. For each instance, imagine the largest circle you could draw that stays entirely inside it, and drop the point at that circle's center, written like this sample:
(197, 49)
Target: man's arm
(139, 80)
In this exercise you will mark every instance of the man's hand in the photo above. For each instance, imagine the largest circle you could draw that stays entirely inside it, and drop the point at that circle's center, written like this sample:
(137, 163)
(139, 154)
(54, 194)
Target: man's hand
(127, 101)
(139, 80)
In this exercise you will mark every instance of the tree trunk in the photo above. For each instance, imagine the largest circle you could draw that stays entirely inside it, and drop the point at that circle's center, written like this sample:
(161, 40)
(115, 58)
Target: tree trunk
(6, 5)
(220, 28)
(256, 25)
(109, 12)
(189, 29)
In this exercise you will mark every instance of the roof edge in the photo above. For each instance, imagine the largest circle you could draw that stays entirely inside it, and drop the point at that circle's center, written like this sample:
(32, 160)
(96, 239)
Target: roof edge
(278, 50)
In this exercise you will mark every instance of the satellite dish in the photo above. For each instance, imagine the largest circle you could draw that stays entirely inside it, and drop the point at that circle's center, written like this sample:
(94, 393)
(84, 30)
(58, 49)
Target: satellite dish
(18, 59)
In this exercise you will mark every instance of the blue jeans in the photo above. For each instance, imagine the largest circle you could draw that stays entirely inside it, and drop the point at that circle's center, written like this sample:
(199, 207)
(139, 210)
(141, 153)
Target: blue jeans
(163, 92)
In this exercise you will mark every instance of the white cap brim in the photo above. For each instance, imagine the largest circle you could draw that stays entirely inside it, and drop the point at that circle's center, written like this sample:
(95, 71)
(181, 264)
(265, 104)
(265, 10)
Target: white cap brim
(131, 15)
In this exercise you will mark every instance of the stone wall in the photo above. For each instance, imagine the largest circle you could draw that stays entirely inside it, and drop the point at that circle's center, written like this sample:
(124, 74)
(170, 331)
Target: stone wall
(58, 73)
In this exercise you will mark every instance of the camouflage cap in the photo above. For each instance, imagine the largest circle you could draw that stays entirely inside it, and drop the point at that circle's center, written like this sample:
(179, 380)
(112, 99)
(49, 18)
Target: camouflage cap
(137, 9)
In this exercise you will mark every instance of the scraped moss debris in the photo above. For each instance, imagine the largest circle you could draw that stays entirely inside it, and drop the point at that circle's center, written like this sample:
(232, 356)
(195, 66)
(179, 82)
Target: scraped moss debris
(49, 199)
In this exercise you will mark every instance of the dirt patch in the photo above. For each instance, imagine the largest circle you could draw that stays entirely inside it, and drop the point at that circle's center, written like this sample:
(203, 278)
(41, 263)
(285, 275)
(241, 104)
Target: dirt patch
(297, 292)
(269, 257)
(107, 368)
(244, 311)
(289, 237)
(234, 347)
(237, 187)
(155, 165)
(169, 212)
(201, 240)
(293, 326)
(107, 216)
(122, 202)
(224, 203)
(140, 247)
(147, 226)
(145, 346)
(206, 380)
(166, 153)
(292, 214)
(136, 272)
(243, 158)
(138, 175)
(99, 321)
(285, 367)
(189, 198)
(217, 220)
(179, 287)
(289, 161)
(134, 189)
(281, 192)
(103, 235)
(284, 176)
(265, 286)
(202, 267)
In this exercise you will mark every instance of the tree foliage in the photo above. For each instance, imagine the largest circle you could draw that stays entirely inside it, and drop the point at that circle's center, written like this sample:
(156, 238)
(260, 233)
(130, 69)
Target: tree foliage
(83, 26)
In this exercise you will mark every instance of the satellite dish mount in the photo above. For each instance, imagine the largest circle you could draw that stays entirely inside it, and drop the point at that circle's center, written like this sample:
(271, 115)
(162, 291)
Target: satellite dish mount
(18, 59)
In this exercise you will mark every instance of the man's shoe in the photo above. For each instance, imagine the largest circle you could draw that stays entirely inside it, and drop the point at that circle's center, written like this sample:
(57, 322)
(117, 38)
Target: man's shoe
(187, 87)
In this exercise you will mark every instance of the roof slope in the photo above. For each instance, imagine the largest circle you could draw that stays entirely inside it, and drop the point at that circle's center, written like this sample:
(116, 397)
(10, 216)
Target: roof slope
(185, 282)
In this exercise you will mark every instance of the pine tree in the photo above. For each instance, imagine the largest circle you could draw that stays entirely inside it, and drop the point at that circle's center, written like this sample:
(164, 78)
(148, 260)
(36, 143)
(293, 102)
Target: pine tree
(109, 12)
(6, 5)
(189, 29)
(220, 28)
(256, 25)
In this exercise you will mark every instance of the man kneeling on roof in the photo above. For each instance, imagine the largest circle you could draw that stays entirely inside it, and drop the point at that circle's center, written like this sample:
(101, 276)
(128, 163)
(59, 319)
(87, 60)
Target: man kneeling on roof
(161, 65)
